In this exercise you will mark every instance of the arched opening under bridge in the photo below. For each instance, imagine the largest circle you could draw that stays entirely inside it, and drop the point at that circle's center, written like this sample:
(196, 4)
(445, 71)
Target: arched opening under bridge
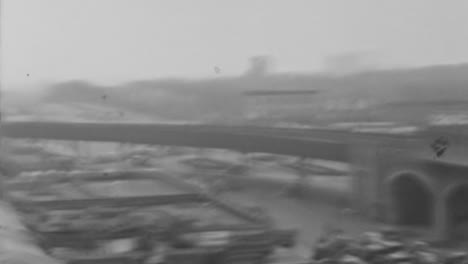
(412, 200)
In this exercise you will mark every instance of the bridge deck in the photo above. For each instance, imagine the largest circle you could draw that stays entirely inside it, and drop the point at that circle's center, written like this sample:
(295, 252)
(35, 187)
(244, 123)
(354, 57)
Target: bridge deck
(319, 144)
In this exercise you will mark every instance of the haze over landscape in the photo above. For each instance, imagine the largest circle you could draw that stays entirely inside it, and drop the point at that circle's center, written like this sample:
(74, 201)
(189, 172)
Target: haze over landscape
(186, 60)
(109, 42)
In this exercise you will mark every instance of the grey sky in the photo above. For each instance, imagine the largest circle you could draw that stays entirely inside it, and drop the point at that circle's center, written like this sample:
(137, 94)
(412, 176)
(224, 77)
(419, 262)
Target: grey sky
(110, 41)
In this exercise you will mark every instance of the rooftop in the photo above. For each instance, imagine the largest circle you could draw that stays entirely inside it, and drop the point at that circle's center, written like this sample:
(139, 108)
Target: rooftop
(278, 92)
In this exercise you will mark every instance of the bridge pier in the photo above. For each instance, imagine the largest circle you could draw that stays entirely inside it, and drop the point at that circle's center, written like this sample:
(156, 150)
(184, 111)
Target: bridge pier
(364, 176)
(440, 223)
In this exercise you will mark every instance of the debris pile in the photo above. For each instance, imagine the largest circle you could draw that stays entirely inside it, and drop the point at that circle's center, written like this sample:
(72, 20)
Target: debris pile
(386, 247)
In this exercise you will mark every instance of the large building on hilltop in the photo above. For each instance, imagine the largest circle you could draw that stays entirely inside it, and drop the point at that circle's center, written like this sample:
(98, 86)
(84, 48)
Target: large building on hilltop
(298, 105)
(276, 104)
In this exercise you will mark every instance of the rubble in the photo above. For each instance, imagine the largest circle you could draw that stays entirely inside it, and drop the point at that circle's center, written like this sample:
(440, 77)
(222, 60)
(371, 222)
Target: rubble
(385, 246)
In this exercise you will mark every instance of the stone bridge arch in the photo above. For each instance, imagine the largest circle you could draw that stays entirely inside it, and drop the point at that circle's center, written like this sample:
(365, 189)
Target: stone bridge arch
(411, 197)
(455, 198)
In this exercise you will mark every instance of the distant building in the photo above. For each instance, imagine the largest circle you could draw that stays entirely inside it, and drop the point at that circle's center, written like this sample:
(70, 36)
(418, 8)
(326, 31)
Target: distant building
(278, 103)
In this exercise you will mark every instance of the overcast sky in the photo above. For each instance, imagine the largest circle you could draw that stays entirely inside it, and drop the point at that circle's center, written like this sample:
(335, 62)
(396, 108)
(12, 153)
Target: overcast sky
(110, 41)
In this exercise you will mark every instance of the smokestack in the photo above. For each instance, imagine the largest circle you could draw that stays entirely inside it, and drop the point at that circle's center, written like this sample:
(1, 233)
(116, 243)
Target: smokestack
(259, 66)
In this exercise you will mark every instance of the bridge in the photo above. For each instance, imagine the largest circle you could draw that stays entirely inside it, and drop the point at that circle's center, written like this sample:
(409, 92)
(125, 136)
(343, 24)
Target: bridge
(396, 177)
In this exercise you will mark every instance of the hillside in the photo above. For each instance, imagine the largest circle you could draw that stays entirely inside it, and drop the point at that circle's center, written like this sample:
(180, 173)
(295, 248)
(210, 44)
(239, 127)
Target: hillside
(221, 99)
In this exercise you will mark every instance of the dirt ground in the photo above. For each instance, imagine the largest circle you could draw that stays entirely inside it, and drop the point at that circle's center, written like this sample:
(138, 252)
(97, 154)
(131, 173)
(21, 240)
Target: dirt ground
(307, 215)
